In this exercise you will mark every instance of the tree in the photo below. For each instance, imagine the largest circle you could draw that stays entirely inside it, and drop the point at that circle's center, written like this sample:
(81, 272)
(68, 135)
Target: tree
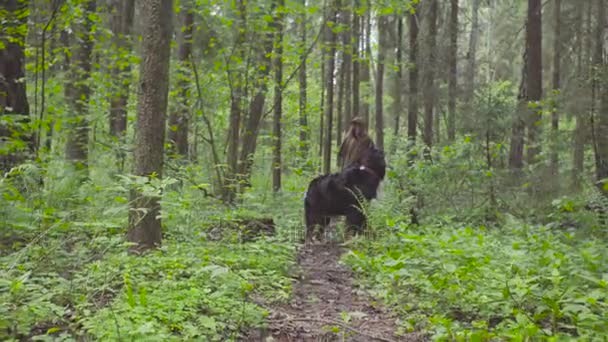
(178, 120)
(472, 54)
(601, 137)
(329, 89)
(356, 57)
(578, 155)
(397, 91)
(76, 149)
(535, 76)
(303, 86)
(236, 93)
(13, 97)
(278, 103)
(453, 61)
(412, 117)
(121, 24)
(144, 220)
(556, 87)
(429, 84)
(382, 27)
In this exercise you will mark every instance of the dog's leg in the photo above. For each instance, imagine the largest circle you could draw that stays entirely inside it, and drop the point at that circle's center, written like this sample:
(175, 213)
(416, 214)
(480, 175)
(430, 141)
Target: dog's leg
(355, 221)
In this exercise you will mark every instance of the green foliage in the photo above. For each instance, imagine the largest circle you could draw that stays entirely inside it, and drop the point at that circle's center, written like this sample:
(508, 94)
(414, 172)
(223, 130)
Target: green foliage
(517, 282)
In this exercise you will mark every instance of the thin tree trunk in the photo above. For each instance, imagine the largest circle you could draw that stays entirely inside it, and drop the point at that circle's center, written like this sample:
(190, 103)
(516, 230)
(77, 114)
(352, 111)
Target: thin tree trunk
(13, 96)
(356, 58)
(122, 23)
(236, 93)
(472, 54)
(322, 104)
(341, 98)
(178, 120)
(347, 61)
(535, 76)
(412, 117)
(429, 89)
(256, 108)
(329, 86)
(302, 84)
(398, 80)
(556, 89)
(145, 225)
(367, 68)
(382, 27)
(580, 130)
(278, 103)
(601, 136)
(453, 81)
(518, 127)
(76, 150)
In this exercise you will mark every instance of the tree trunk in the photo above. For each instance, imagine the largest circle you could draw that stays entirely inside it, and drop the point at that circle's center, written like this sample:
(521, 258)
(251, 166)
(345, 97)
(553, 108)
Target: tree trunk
(236, 93)
(13, 97)
(556, 89)
(429, 88)
(397, 95)
(367, 65)
(382, 27)
(178, 120)
(347, 61)
(453, 81)
(76, 149)
(472, 54)
(601, 136)
(518, 127)
(145, 225)
(302, 84)
(329, 86)
(340, 103)
(535, 76)
(278, 103)
(356, 58)
(256, 107)
(412, 116)
(578, 156)
(121, 23)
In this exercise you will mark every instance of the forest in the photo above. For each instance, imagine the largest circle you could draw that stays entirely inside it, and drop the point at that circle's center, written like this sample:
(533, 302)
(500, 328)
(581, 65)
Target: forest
(163, 164)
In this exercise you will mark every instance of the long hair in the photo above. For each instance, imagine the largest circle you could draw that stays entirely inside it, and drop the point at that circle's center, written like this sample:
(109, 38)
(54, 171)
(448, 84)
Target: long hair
(354, 143)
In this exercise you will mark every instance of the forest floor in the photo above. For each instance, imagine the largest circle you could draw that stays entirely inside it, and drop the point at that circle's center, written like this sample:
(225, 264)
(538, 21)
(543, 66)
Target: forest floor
(326, 306)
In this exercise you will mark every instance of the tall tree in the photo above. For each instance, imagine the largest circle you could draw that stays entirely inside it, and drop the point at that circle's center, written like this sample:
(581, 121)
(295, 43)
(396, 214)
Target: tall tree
(121, 24)
(412, 117)
(472, 54)
(535, 76)
(235, 79)
(156, 16)
(601, 155)
(178, 120)
(302, 84)
(278, 101)
(453, 61)
(13, 97)
(518, 126)
(256, 105)
(366, 61)
(329, 88)
(578, 155)
(356, 57)
(382, 27)
(76, 149)
(556, 86)
(347, 61)
(397, 91)
(429, 84)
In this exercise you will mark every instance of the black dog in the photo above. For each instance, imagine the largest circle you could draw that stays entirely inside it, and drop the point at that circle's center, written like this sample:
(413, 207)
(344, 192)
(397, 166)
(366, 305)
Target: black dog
(339, 194)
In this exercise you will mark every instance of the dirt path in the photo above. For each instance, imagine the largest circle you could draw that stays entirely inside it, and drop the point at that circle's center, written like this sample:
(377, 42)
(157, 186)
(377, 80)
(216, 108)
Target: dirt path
(326, 307)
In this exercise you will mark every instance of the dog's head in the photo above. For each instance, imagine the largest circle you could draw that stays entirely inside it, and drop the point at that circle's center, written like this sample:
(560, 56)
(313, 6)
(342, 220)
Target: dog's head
(372, 161)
